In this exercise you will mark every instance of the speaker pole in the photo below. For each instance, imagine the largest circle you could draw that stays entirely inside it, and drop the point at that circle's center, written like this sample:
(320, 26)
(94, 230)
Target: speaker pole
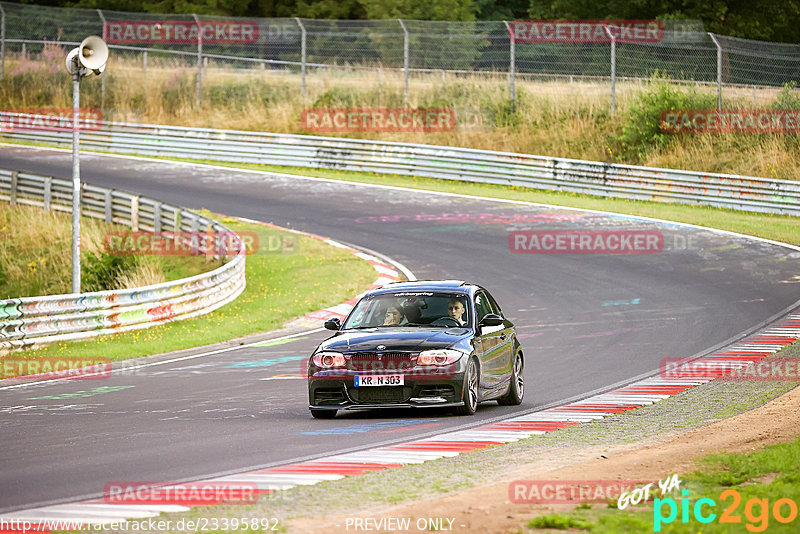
(76, 181)
(90, 57)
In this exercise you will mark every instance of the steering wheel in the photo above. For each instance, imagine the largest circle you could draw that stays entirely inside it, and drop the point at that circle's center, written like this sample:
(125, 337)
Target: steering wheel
(446, 321)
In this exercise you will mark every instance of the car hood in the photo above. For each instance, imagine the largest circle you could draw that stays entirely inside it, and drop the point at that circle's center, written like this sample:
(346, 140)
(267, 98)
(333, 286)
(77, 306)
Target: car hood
(395, 339)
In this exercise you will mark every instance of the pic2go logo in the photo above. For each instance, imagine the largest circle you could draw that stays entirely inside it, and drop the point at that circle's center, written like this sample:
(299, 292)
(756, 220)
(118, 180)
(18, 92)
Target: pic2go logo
(756, 511)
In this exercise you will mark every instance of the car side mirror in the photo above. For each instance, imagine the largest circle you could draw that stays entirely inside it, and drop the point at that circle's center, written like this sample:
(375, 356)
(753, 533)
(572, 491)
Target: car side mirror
(333, 324)
(491, 319)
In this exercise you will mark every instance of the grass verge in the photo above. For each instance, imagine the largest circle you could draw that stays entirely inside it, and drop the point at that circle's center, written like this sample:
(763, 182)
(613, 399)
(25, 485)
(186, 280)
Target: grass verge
(280, 285)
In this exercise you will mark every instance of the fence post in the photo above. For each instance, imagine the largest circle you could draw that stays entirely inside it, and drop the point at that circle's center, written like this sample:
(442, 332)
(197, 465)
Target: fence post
(14, 179)
(199, 57)
(405, 61)
(157, 217)
(302, 55)
(2, 43)
(613, 69)
(194, 229)
(719, 70)
(107, 204)
(135, 214)
(103, 74)
(48, 192)
(144, 62)
(512, 65)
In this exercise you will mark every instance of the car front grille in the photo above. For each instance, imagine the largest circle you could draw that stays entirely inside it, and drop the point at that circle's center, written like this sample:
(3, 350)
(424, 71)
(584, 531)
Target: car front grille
(387, 362)
(380, 394)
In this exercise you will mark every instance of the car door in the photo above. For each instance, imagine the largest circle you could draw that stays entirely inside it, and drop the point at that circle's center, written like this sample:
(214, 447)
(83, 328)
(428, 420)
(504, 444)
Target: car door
(491, 357)
(506, 342)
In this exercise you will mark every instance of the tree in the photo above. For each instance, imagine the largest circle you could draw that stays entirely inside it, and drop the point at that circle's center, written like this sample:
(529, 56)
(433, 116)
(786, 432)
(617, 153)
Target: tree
(462, 10)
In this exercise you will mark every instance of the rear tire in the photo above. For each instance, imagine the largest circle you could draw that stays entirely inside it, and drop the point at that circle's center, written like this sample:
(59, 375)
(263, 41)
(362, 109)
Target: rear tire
(517, 387)
(323, 414)
(469, 393)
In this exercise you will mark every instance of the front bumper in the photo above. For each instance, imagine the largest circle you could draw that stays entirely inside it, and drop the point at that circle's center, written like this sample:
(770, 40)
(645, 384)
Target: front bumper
(336, 390)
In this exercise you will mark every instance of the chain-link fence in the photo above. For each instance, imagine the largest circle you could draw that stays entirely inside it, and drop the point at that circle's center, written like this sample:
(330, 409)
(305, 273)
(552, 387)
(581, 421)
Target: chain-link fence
(402, 49)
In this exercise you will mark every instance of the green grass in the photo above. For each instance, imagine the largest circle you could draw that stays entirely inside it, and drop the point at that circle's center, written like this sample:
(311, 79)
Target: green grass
(771, 473)
(559, 522)
(280, 286)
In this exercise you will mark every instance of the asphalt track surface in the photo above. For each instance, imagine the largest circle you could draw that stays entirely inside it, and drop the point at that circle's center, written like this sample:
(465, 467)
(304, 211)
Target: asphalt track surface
(586, 322)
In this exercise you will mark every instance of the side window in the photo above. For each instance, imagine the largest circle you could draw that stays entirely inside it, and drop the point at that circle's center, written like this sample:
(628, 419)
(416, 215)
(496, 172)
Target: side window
(493, 304)
(482, 306)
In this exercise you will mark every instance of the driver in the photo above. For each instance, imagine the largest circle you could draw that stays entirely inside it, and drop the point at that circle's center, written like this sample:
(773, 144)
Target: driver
(393, 316)
(456, 309)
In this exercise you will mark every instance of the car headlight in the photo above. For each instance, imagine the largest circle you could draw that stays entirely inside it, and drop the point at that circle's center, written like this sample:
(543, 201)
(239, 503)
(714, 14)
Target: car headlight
(328, 360)
(438, 357)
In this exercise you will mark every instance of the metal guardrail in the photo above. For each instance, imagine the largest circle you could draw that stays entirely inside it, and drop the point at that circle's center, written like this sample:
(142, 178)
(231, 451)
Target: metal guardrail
(483, 166)
(29, 321)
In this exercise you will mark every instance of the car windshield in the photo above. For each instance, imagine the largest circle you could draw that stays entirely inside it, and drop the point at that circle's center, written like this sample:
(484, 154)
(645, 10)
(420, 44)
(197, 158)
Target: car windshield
(411, 309)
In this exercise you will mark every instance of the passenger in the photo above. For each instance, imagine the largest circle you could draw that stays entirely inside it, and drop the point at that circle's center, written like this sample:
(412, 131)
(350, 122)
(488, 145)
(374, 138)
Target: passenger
(393, 316)
(455, 309)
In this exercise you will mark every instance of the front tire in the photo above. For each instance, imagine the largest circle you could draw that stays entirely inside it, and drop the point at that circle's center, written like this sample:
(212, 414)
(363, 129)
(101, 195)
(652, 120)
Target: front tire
(469, 393)
(323, 414)
(517, 387)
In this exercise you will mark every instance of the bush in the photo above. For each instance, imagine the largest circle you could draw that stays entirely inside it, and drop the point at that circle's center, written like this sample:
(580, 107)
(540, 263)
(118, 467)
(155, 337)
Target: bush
(642, 133)
(100, 273)
(786, 99)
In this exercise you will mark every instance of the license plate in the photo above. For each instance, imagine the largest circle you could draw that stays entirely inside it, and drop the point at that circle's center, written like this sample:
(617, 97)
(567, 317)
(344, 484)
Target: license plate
(379, 380)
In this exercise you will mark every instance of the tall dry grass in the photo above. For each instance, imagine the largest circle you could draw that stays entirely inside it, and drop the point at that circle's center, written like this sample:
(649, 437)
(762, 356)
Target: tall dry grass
(555, 118)
(36, 254)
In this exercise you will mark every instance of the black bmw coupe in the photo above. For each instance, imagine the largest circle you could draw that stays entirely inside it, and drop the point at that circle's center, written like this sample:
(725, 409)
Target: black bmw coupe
(418, 344)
